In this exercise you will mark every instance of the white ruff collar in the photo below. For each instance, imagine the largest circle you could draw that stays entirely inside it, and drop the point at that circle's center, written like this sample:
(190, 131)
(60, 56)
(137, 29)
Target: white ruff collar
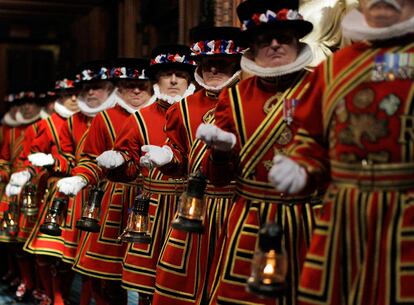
(355, 27)
(120, 101)
(9, 121)
(172, 99)
(23, 121)
(63, 111)
(302, 61)
(152, 100)
(91, 112)
(44, 114)
(217, 89)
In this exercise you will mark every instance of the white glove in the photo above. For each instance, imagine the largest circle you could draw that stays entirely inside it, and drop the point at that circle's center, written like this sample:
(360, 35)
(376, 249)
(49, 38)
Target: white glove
(110, 159)
(41, 159)
(216, 137)
(286, 175)
(20, 178)
(71, 185)
(13, 190)
(155, 156)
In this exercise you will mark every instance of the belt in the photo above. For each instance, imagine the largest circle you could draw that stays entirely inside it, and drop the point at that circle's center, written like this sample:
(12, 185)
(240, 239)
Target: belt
(227, 191)
(167, 187)
(262, 191)
(370, 177)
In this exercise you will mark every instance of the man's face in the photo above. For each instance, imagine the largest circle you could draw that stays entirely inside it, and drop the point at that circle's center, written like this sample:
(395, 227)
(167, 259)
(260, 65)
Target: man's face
(29, 110)
(135, 92)
(217, 70)
(275, 48)
(96, 93)
(384, 13)
(173, 82)
(70, 102)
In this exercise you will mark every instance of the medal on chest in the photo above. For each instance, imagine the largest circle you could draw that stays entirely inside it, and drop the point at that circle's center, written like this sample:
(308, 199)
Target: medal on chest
(393, 66)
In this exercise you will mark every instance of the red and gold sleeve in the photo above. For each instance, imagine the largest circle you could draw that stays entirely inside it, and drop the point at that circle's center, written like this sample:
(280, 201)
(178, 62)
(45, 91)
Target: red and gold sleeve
(220, 167)
(5, 156)
(97, 141)
(30, 134)
(64, 156)
(308, 147)
(128, 143)
(178, 141)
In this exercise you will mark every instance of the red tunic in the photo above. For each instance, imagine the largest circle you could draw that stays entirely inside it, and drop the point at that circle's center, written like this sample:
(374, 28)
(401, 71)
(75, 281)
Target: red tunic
(100, 255)
(71, 138)
(4, 133)
(47, 141)
(146, 127)
(13, 161)
(182, 271)
(362, 251)
(12, 146)
(254, 113)
(26, 223)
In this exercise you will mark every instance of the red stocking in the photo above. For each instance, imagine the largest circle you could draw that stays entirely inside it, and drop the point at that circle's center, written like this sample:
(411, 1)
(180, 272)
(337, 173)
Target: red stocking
(86, 292)
(43, 265)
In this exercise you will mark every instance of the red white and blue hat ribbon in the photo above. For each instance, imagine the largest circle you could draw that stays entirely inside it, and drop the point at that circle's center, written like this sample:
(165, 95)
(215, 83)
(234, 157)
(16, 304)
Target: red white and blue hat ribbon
(270, 17)
(211, 47)
(124, 72)
(89, 75)
(172, 58)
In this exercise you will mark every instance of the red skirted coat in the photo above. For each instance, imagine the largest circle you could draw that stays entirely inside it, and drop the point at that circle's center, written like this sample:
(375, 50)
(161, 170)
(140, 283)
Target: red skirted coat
(100, 254)
(147, 127)
(72, 136)
(38, 179)
(182, 271)
(12, 160)
(258, 116)
(47, 141)
(362, 118)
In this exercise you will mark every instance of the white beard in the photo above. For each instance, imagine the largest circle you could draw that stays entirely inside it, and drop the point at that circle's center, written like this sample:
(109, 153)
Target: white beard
(91, 112)
(172, 99)
(303, 60)
(355, 27)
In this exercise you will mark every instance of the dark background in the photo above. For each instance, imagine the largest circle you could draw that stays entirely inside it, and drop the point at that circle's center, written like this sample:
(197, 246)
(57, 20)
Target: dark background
(40, 38)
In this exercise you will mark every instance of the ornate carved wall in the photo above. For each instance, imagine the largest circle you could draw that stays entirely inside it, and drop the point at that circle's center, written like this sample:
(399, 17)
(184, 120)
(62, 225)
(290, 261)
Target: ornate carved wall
(225, 12)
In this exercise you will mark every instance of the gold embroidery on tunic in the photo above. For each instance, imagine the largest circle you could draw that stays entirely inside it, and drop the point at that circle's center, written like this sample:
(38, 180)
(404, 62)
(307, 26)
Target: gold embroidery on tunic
(209, 115)
(390, 104)
(364, 98)
(272, 102)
